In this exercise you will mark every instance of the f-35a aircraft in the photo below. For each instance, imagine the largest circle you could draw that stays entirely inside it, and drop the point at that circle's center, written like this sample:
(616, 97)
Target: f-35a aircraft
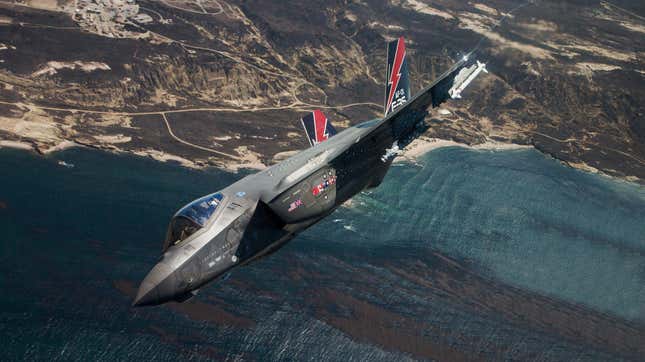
(261, 212)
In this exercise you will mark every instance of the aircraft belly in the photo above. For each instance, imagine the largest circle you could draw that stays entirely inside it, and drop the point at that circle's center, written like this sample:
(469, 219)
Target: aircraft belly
(361, 165)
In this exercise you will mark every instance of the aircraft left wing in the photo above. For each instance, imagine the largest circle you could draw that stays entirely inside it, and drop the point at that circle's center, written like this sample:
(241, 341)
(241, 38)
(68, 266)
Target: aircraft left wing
(317, 127)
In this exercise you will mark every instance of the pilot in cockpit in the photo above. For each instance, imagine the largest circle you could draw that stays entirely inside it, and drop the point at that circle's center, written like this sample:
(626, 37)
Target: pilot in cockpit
(191, 218)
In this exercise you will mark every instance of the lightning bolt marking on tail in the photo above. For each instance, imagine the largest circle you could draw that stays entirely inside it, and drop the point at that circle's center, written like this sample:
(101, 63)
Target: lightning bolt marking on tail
(396, 72)
(320, 134)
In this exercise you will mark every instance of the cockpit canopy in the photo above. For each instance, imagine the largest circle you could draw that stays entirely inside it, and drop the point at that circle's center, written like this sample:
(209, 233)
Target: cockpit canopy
(191, 218)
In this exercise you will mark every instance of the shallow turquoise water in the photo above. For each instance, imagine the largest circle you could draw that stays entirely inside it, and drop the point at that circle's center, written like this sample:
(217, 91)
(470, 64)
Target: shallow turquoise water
(524, 219)
(490, 254)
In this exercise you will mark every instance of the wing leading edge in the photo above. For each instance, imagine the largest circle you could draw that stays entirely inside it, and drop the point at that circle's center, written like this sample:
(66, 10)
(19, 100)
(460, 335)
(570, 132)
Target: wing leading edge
(405, 119)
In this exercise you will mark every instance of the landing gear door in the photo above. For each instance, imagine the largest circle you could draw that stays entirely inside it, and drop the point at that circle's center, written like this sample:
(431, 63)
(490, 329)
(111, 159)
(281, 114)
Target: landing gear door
(309, 198)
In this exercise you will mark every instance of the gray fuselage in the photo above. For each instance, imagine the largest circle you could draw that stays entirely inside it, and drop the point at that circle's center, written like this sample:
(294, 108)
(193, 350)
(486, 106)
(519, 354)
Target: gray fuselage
(261, 212)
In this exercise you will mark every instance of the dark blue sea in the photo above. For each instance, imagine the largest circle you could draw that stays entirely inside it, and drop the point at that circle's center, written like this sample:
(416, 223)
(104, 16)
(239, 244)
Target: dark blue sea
(468, 255)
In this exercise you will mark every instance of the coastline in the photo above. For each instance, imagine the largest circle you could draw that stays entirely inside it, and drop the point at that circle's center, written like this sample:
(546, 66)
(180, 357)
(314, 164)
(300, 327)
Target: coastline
(251, 161)
(21, 145)
(17, 145)
(423, 145)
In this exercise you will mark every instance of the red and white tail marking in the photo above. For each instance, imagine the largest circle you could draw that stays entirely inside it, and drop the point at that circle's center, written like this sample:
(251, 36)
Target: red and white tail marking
(317, 127)
(396, 72)
(320, 123)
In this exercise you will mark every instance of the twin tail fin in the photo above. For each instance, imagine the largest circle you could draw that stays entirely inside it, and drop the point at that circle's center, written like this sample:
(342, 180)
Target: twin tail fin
(317, 127)
(397, 86)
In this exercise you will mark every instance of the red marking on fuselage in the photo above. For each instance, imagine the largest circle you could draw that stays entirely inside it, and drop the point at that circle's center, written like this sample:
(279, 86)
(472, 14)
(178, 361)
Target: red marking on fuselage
(396, 72)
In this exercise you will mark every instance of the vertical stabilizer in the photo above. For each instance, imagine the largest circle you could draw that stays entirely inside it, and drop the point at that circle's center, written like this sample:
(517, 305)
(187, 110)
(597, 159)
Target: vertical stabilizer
(397, 88)
(317, 127)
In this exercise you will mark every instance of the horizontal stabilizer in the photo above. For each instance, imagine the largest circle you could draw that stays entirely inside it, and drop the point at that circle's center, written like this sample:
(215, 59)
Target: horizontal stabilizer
(317, 127)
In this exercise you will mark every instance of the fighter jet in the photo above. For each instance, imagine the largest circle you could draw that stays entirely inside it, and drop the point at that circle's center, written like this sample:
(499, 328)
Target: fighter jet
(260, 213)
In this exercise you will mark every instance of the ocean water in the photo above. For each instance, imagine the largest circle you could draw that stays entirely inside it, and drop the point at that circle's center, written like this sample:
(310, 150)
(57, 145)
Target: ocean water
(465, 255)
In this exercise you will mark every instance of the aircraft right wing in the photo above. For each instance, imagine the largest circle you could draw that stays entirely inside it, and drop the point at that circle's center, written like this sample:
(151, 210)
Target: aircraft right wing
(450, 84)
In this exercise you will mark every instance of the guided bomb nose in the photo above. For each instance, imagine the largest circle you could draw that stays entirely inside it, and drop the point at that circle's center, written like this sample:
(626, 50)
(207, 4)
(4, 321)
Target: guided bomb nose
(157, 287)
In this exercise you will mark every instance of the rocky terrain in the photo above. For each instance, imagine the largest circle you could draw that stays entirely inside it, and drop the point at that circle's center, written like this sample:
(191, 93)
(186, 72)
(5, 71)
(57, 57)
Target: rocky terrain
(223, 83)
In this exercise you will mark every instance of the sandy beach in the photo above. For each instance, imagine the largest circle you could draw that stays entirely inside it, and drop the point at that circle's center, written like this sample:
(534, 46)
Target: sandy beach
(423, 145)
(16, 145)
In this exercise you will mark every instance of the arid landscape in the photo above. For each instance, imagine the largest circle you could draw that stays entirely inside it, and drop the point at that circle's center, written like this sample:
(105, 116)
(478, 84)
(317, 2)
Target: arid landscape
(462, 254)
(223, 83)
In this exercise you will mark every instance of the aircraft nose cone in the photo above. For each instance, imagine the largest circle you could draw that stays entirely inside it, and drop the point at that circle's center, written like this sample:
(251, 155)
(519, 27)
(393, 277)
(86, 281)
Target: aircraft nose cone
(146, 295)
(154, 289)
